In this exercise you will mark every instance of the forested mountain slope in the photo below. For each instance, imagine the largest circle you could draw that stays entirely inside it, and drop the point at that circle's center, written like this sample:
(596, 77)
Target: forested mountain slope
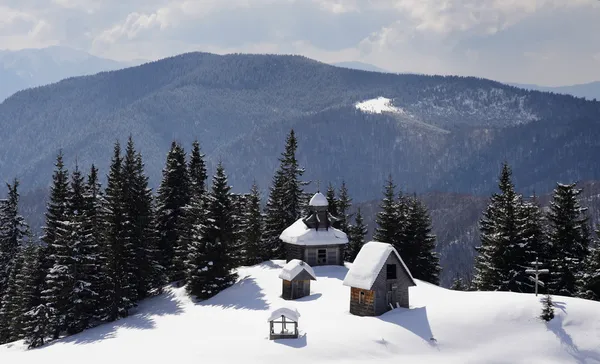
(446, 133)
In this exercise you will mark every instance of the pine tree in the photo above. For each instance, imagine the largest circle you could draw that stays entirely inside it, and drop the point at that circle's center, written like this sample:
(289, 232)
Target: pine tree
(286, 200)
(331, 200)
(417, 249)
(504, 253)
(139, 235)
(458, 284)
(116, 286)
(37, 325)
(252, 229)
(22, 294)
(344, 202)
(569, 239)
(589, 285)
(547, 308)
(387, 230)
(356, 237)
(218, 240)
(10, 302)
(14, 232)
(58, 282)
(173, 197)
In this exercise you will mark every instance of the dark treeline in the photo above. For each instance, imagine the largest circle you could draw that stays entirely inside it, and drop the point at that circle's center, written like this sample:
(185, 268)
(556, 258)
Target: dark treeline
(105, 249)
(515, 232)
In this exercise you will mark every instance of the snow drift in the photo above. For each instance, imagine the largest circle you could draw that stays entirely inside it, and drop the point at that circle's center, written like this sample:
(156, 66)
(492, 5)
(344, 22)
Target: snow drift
(442, 326)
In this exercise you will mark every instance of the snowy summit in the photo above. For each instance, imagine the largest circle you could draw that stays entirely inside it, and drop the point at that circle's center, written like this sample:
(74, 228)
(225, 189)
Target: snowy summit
(378, 106)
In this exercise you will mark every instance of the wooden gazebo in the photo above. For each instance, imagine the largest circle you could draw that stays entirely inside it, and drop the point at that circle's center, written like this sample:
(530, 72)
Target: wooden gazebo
(283, 324)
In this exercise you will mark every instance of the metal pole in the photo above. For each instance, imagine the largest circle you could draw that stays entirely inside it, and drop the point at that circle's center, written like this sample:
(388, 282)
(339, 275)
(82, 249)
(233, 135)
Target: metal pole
(536, 276)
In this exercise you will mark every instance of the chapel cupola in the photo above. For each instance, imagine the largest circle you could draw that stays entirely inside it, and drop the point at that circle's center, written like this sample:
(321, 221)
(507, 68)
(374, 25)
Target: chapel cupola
(319, 217)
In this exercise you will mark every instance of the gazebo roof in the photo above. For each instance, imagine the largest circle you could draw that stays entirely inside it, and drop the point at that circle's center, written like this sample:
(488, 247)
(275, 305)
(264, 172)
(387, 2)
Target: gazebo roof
(290, 313)
(293, 268)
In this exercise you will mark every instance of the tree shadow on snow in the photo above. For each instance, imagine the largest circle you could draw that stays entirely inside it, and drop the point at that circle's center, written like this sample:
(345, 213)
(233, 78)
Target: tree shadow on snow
(164, 304)
(245, 294)
(271, 265)
(581, 356)
(414, 320)
(298, 343)
(312, 297)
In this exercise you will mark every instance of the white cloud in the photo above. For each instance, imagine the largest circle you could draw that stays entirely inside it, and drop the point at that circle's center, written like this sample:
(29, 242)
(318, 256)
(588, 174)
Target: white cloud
(542, 41)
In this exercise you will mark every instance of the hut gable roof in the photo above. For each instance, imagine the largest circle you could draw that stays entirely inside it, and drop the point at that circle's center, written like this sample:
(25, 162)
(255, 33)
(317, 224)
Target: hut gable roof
(300, 234)
(369, 262)
(295, 267)
(290, 313)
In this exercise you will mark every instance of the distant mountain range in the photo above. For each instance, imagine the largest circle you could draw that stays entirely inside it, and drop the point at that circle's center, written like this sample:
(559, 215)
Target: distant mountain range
(589, 91)
(35, 67)
(430, 132)
(360, 66)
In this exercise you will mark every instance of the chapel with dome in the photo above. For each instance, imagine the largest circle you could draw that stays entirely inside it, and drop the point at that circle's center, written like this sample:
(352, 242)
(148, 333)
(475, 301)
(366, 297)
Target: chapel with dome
(316, 238)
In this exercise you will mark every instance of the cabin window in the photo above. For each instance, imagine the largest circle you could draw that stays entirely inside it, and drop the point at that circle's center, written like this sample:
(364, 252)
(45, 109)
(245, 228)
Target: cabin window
(391, 271)
(322, 256)
(361, 297)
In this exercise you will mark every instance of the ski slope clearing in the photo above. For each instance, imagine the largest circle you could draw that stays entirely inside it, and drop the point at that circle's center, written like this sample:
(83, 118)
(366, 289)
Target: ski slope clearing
(378, 105)
(442, 326)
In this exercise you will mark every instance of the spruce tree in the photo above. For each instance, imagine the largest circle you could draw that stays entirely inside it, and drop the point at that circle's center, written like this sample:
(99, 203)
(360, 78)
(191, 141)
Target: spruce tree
(418, 248)
(547, 308)
(173, 197)
(59, 279)
(115, 301)
(252, 229)
(504, 252)
(14, 232)
(569, 239)
(37, 325)
(356, 237)
(216, 269)
(535, 236)
(589, 285)
(387, 230)
(331, 200)
(139, 235)
(458, 284)
(10, 302)
(286, 200)
(343, 203)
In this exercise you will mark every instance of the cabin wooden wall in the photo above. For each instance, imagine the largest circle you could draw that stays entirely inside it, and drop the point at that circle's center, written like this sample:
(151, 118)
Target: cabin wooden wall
(367, 308)
(382, 286)
(294, 252)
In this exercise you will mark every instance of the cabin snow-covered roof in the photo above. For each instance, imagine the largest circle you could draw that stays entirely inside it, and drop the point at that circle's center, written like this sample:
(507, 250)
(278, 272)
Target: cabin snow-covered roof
(369, 262)
(300, 234)
(290, 313)
(295, 267)
(318, 200)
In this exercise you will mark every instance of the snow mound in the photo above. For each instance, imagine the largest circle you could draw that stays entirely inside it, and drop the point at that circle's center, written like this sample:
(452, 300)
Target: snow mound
(318, 200)
(378, 106)
(295, 267)
(290, 313)
(368, 263)
(442, 326)
(299, 234)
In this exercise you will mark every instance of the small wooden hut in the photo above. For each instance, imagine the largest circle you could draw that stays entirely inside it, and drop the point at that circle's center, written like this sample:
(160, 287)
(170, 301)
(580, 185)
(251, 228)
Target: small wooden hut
(296, 276)
(379, 280)
(283, 324)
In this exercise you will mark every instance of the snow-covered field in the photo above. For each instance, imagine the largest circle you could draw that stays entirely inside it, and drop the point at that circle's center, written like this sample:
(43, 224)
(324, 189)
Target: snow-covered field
(442, 326)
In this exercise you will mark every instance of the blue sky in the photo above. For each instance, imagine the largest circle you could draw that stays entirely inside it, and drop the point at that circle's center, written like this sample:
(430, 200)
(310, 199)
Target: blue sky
(549, 42)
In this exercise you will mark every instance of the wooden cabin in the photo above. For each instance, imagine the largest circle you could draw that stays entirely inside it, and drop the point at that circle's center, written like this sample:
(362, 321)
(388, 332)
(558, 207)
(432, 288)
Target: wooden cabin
(283, 324)
(315, 238)
(296, 276)
(378, 280)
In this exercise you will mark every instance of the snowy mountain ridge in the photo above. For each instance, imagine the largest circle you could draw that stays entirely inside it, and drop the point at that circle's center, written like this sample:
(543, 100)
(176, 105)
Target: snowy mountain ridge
(442, 326)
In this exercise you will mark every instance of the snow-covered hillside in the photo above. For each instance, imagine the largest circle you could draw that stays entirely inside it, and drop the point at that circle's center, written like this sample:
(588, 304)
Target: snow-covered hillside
(442, 326)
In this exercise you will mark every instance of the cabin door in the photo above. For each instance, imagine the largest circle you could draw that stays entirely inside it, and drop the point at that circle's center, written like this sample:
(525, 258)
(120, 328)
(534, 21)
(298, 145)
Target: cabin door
(392, 294)
(321, 256)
